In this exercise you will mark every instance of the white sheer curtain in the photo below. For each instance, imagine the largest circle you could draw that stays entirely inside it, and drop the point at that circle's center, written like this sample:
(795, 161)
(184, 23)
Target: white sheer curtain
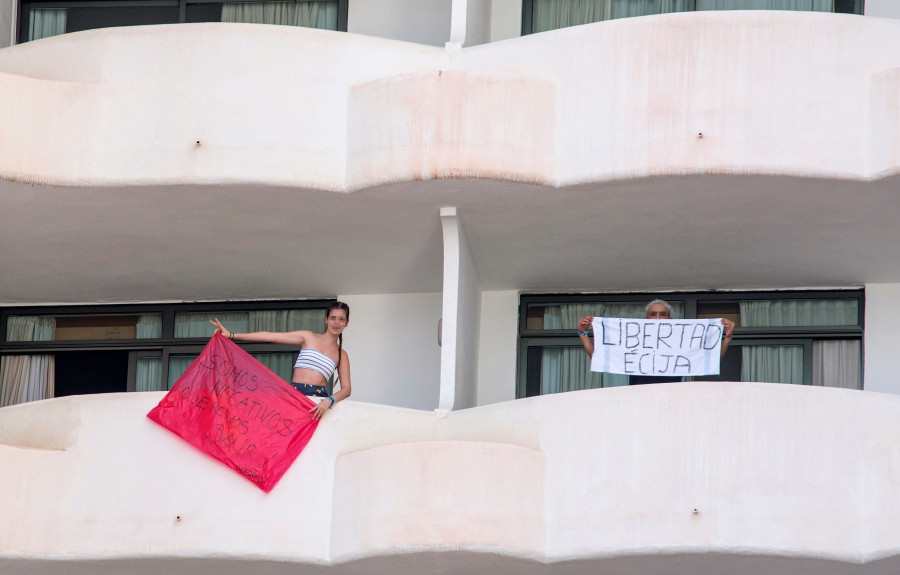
(43, 23)
(553, 14)
(321, 15)
(836, 363)
(800, 5)
(569, 368)
(27, 377)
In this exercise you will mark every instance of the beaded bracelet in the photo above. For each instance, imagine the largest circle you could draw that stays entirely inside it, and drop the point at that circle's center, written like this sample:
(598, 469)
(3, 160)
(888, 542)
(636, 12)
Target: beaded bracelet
(331, 398)
(584, 333)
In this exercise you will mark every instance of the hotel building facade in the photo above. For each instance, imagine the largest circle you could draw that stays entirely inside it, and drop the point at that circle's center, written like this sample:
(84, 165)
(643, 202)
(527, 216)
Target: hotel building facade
(471, 177)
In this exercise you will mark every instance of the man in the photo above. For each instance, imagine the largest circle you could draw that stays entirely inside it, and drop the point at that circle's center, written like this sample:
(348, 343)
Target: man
(656, 309)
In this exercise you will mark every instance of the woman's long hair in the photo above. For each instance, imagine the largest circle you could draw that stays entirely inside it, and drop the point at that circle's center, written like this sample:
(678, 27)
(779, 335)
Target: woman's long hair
(346, 308)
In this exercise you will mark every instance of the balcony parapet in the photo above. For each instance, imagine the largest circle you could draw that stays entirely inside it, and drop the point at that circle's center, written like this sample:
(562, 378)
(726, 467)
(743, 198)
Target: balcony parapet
(763, 475)
(751, 92)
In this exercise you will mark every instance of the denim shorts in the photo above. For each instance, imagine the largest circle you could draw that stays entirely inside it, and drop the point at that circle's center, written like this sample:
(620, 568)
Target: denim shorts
(311, 390)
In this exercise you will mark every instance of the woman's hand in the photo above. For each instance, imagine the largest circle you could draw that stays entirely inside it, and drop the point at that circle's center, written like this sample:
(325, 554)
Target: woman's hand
(220, 328)
(319, 410)
(585, 322)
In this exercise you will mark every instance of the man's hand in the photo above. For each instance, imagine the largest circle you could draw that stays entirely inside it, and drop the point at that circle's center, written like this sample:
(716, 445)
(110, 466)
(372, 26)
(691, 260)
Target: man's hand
(727, 326)
(585, 323)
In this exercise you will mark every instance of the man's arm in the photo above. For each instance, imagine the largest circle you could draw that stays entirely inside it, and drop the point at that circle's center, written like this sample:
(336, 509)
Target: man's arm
(584, 324)
(728, 328)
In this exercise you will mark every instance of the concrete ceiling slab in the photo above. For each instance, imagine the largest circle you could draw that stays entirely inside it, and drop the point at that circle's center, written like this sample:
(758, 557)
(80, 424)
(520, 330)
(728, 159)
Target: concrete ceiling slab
(187, 243)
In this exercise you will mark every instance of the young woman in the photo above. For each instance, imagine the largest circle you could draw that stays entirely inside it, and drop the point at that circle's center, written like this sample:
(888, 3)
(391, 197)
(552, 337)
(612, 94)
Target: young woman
(321, 355)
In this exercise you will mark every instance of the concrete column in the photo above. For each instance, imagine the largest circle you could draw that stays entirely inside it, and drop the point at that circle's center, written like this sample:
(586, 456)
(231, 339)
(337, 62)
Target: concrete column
(460, 318)
(470, 23)
(458, 24)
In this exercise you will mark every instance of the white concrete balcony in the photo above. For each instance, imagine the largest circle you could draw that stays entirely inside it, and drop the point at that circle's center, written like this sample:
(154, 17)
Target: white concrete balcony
(675, 478)
(771, 93)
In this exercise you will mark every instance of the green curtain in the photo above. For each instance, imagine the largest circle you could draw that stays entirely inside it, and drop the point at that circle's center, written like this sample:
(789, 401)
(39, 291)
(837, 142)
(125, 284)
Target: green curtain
(280, 363)
(568, 368)
(321, 15)
(177, 366)
(553, 14)
(784, 363)
(287, 320)
(772, 363)
(800, 5)
(43, 23)
(149, 326)
(197, 324)
(148, 374)
(799, 312)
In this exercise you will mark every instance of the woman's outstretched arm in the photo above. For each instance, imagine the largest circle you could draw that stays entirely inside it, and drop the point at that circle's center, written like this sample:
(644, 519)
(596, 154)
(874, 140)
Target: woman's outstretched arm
(286, 337)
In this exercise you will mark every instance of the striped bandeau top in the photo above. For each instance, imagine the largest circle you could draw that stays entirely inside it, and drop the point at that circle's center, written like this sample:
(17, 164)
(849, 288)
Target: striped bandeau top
(317, 361)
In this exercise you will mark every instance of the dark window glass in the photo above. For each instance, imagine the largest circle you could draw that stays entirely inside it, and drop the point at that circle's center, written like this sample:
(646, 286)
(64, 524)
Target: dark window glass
(207, 12)
(78, 19)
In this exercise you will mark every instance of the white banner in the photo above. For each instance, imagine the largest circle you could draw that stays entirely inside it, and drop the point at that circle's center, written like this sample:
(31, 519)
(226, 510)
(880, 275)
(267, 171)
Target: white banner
(658, 347)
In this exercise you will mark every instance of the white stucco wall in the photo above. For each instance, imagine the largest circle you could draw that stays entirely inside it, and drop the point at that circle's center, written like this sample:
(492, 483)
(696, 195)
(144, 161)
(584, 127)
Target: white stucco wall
(420, 21)
(393, 348)
(7, 22)
(506, 19)
(882, 8)
(498, 346)
(882, 362)
(478, 22)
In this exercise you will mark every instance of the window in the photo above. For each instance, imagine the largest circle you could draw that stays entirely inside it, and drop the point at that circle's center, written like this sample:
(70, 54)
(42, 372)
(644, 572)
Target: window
(41, 19)
(805, 338)
(544, 15)
(54, 352)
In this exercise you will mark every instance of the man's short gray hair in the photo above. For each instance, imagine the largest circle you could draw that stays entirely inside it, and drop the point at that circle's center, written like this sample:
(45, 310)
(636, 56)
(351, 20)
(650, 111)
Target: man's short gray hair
(659, 302)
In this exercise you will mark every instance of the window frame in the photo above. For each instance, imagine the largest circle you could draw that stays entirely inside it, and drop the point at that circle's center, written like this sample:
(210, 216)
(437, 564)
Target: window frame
(166, 345)
(775, 335)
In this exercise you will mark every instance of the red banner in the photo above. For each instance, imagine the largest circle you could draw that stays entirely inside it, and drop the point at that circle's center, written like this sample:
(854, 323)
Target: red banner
(232, 407)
